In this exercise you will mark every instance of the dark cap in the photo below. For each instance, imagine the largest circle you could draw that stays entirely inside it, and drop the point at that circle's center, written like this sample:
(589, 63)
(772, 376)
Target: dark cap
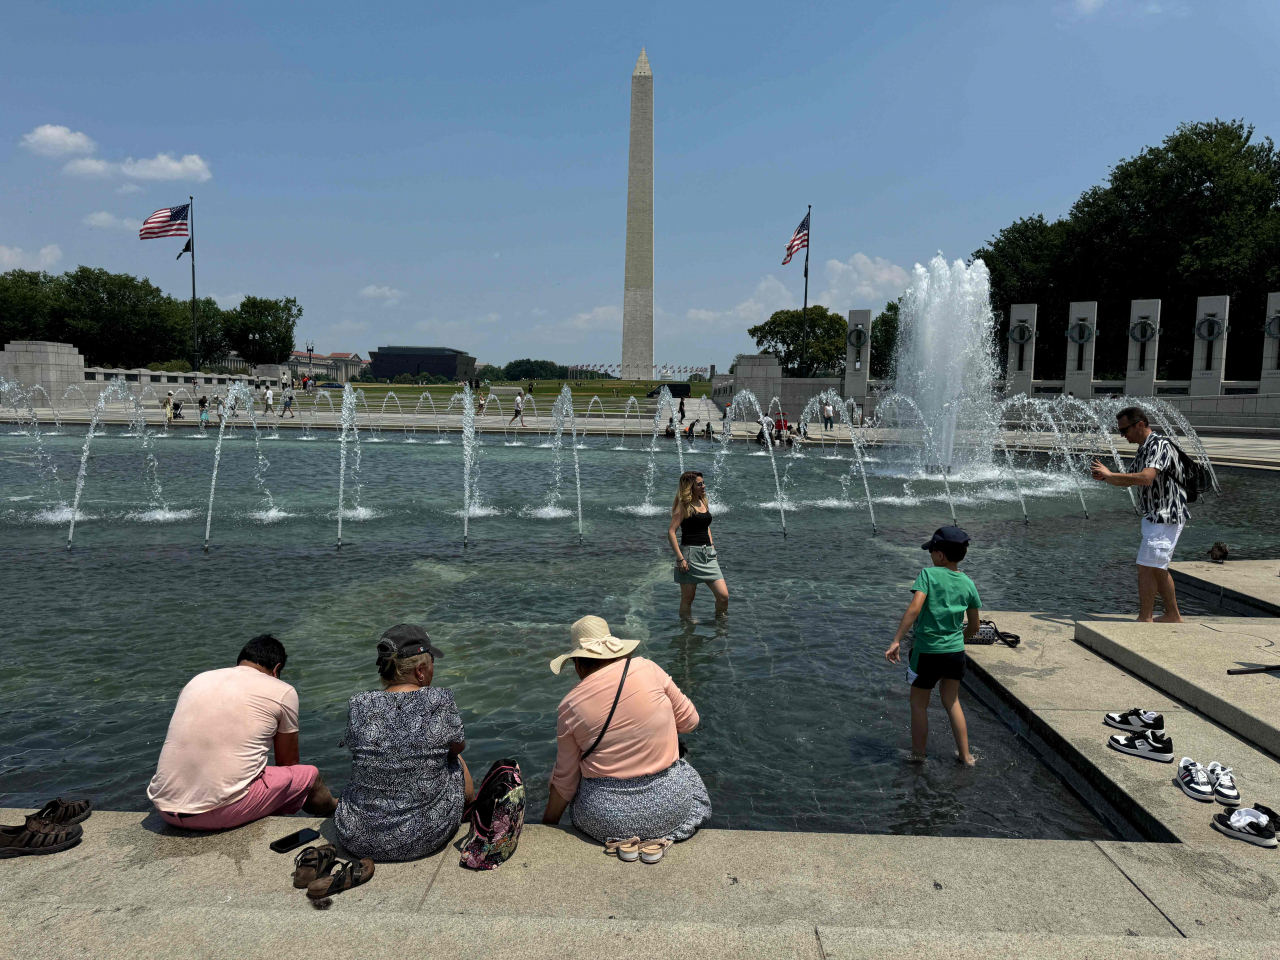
(945, 535)
(405, 640)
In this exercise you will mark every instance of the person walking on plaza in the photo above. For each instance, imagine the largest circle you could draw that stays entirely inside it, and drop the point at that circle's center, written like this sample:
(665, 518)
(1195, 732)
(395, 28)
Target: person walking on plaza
(828, 415)
(941, 601)
(682, 409)
(1162, 498)
(268, 400)
(167, 406)
(213, 772)
(204, 410)
(696, 559)
(519, 411)
(288, 404)
(618, 767)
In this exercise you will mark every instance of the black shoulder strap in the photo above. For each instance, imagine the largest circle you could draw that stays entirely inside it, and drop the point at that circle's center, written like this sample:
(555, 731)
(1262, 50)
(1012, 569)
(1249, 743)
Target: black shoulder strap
(591, 749)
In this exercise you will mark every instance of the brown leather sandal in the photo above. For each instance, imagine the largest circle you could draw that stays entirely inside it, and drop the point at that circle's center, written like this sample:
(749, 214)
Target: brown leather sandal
(36, 837)
(65, 811)
(348, 874)
(312, 864)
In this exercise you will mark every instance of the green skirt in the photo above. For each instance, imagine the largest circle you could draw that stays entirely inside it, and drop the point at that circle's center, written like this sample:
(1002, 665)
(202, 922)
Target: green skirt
(703, 566)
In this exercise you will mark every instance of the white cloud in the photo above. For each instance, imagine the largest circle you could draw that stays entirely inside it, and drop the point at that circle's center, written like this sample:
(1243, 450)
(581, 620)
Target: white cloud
(89, 167)
(1088, 6)
(770, 294)
(598, 318)
(50, 140)
(164, 167)
(349, 327)
(389, 296)
(15, 258)
(128, 188)
(539, 312)
(227, 301)
(111, 221)
(862, 281)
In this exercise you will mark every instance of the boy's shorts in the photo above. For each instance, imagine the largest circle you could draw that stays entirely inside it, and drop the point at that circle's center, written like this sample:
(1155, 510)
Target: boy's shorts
(935, 667)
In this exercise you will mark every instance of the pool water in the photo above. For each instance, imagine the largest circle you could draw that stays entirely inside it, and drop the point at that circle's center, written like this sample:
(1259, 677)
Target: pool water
(804, 725)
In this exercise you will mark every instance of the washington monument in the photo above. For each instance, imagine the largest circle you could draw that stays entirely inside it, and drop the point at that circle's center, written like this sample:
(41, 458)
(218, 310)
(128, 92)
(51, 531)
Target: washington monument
(637, 287)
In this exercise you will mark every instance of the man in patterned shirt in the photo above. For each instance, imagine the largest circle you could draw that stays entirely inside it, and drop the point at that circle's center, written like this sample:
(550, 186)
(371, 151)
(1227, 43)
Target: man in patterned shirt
(1162, 496)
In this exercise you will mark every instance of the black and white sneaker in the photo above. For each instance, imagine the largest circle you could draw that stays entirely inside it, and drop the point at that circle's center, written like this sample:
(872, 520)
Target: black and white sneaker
(1136, 720)
(1193, 780)
(1248, 824)
(1153, 745)
(1224, 785)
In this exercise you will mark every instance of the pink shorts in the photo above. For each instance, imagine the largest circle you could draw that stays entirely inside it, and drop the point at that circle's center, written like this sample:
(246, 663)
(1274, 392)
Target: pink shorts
(276, 792)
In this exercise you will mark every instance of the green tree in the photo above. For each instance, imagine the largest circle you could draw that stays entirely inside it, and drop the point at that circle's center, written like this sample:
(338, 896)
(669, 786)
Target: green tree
(30, 307)
(781, 335)
(1197, 215)
(261, 330)
(884, 340)
(490, 372)
(118, 320)
(211, 331)
(534, 370)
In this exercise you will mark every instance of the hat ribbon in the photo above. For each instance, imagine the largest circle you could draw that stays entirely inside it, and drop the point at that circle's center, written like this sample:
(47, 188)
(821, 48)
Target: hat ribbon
(602, 645)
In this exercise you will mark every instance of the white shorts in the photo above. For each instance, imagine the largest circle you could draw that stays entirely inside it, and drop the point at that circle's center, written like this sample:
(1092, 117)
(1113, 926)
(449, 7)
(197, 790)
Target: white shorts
(1158, 541)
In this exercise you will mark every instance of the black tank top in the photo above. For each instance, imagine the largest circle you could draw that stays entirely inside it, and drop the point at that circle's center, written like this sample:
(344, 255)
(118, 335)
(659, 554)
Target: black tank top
(693, 530)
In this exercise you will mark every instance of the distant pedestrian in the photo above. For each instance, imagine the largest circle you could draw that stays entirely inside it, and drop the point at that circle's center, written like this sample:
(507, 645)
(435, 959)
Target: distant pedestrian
(288, 405)
(1162, 497)
(270, 402)
(828, 416)
(218, 408)
(168, 408)
(682, 409)
(204, 411)
(519, 413)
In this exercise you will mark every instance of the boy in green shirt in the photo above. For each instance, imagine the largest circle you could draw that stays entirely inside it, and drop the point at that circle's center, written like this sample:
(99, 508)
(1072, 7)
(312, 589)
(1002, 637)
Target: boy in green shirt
(943, 597)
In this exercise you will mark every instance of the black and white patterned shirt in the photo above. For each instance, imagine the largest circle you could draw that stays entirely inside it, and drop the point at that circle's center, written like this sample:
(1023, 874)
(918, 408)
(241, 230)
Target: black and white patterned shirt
(1165, 501)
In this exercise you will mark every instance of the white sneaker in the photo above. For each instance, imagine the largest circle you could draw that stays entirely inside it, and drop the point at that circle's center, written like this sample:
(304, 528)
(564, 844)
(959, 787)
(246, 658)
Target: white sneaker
(1224, 785)
(1136, 720)
(1193, 781)
(1153, 745)
(1251, 825)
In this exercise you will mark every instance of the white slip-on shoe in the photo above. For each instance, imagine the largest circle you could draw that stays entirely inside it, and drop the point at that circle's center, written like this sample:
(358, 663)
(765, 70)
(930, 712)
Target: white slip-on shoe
(1151, 746)
(1224, 785)
(1193, 780)
(651, 851)
(1247, 824)
(628, 851)
(1136, 720)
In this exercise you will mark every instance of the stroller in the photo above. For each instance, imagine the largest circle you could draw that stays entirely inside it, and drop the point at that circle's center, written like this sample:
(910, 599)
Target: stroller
(177, 410)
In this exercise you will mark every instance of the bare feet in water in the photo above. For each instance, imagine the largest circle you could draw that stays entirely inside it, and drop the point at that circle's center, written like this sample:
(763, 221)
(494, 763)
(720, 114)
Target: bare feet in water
(969, 760)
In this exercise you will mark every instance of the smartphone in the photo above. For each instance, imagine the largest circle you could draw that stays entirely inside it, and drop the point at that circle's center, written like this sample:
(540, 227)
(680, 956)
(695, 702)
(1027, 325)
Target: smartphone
(295, 840)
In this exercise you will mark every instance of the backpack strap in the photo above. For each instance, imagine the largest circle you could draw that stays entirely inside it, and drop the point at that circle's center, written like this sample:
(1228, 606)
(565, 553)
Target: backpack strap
(591, 749)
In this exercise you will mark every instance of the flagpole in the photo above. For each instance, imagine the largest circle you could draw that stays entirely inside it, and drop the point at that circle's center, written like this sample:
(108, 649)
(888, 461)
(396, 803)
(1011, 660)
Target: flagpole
(195, 330)
(804, 313)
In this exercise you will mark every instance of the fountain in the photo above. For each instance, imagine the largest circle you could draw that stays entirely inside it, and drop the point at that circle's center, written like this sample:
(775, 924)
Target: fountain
(350, 428)
(596, 401)
(399, 412)
(117, 389)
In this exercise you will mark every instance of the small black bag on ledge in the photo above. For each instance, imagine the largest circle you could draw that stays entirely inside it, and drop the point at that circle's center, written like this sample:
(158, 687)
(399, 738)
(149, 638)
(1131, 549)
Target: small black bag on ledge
(989, 633)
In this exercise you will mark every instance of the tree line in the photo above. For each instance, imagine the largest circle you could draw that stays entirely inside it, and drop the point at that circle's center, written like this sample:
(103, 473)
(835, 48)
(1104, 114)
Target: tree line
(118, 320)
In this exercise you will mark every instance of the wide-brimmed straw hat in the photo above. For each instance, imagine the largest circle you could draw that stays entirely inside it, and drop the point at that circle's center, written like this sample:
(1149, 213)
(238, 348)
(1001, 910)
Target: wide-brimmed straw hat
(592, 639)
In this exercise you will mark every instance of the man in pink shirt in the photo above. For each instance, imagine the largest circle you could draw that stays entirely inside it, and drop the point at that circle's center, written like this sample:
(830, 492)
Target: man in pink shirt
(213, 771)
(618, 765)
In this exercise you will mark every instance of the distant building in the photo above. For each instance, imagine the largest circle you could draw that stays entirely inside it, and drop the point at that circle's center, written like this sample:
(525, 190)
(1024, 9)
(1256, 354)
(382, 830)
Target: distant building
(342, 367)
(387, 363)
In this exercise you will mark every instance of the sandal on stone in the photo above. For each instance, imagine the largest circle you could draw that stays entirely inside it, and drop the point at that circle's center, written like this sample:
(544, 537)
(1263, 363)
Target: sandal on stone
(347, 874)
(651, 851)
(36, 837)
(312, 864)
(65, 811)
(627, 850)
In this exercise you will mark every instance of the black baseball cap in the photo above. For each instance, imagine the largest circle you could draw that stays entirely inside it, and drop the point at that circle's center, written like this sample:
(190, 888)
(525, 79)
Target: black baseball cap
(406, 640)
(945, 535)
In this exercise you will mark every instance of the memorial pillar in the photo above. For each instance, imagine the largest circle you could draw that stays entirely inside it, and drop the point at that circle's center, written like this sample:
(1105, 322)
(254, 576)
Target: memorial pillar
(1270, 379)
(1022, 348)
(1144, 343)
(1208, 358)
(1082, 338)
(857, 357)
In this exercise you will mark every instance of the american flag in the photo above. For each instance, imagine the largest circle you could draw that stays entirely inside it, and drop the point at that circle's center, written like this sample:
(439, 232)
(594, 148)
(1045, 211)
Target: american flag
(166, 222)
(799, 240)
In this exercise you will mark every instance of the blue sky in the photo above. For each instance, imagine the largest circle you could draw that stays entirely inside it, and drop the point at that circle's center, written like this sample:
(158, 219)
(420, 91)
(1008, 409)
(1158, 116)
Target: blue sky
(455, 175)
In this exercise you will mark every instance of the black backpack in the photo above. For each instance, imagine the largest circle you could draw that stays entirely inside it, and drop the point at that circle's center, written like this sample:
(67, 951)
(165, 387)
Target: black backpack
(1194, 475)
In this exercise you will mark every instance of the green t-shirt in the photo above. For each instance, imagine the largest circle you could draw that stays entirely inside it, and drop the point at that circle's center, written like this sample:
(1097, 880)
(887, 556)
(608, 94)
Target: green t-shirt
(949, 595)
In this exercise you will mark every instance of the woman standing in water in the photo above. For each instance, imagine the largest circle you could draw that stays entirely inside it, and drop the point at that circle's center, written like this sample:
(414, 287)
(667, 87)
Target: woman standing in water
(696, 560)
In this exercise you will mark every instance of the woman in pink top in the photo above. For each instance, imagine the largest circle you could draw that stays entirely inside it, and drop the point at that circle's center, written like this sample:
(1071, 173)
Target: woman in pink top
(630, 781)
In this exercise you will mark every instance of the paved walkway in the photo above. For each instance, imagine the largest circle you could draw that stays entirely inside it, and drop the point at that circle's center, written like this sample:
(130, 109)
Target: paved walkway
(1244, 588)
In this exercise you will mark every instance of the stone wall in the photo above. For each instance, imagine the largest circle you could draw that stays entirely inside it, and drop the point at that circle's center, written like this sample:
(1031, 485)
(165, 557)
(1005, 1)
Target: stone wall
(51, 366)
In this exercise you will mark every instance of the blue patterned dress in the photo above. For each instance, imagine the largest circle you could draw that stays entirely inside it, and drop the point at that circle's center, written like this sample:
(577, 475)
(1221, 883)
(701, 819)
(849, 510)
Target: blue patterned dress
(406, 795)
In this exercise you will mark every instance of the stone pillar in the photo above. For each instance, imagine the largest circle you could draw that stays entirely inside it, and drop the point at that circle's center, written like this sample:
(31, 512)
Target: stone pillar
(51, 366)
(1144, 347)
(1082, 338)
(1270, 380)
(1209, 356)
(760, 373)
(637, 286)
(1022, 348)
(857, 357)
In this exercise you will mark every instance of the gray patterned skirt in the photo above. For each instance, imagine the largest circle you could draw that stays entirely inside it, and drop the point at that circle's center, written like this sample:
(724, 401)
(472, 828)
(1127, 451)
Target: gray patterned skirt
(670, 803)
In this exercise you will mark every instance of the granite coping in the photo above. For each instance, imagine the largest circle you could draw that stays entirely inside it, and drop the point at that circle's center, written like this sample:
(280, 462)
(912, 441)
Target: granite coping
(1242, 587)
